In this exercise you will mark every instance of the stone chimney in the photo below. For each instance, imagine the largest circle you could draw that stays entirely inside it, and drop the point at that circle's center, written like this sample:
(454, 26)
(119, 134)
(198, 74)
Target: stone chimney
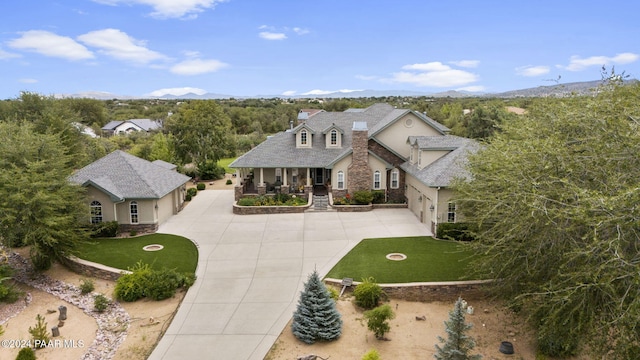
(359, 174)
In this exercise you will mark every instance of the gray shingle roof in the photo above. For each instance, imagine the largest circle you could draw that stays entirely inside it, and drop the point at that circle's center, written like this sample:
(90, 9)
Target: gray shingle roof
(443, 171)
(124, 176)
(280, 150)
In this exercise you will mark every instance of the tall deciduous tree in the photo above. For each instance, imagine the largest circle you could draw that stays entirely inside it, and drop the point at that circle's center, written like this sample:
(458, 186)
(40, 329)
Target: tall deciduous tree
(458, 344)
(39, 206)
(201, 132)
(316, 317)
(556, 195)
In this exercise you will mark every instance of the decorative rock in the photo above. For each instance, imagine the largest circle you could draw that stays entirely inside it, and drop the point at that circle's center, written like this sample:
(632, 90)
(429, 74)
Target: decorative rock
(60, 323)
(55, 332)
(506, 348)
(63, 313)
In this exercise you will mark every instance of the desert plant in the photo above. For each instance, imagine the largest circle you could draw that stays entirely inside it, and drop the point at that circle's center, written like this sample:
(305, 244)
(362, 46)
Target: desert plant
(458, 344)
(104, 229)
(316, 317)
(378, 320)
(86, 286)
(100, 303)
(367, 293)
(39, 332)
(371, 355)
(201, 186)
(192, 191)
(334, 293)
(229, 182)
(26, 353)
(131, 287)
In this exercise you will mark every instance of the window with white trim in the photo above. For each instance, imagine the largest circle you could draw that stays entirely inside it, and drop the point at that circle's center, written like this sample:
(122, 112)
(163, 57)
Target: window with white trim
(395, 179)
(96, 212)
(451, 212)
(133, 211)
(303, 137)
(376, 179)
(279, 175)
(340, 179)
(334, 137)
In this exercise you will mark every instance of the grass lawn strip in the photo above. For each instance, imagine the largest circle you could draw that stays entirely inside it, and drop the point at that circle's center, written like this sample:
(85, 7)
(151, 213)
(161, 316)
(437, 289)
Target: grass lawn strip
(178, 253)
(427, 260)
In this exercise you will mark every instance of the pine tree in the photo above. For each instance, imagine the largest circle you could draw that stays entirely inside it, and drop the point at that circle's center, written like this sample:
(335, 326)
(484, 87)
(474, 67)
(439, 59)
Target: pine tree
(458, 344)
(316, 317)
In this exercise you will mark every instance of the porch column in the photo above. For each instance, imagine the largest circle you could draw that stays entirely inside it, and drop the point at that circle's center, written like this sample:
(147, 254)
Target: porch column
(309, 176)
(261, 176)
(238, 177)
(284, 176)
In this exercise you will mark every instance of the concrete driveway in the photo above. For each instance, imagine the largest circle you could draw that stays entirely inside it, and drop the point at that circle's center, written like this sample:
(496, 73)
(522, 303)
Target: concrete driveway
(251, 269)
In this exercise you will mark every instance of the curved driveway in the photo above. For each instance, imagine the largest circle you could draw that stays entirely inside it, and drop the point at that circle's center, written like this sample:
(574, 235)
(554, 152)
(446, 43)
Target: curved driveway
(251, 270)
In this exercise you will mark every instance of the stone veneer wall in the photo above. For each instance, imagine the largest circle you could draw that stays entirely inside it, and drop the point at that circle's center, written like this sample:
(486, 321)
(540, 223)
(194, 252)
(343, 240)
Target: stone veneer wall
(139, 228)
(90, 269)
(359, 174)
(433, 291)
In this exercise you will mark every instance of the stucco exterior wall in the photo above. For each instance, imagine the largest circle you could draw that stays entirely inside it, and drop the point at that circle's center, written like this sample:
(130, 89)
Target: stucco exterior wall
(108, 213)
(395, 136)
(343, 166)
(377, 165)
(428, 157)
(146, 212)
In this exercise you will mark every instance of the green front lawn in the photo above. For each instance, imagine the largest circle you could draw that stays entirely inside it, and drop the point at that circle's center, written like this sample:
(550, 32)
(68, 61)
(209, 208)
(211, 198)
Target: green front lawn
(225, 164)
(427, 260)
(123, 253)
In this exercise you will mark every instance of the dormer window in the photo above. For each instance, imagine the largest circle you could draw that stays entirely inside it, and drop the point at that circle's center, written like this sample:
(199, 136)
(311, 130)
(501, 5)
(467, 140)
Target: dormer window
(334, 137)
(303, 137)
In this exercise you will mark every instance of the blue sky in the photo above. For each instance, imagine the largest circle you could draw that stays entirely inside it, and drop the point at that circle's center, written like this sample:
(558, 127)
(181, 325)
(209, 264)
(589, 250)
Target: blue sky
(301, 47)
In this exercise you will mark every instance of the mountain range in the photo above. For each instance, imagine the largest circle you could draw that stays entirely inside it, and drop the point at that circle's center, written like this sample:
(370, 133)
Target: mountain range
(558, 90)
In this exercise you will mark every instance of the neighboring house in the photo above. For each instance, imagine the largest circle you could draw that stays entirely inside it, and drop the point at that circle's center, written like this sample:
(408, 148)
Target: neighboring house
(136, 193)
(402, 152)
(127, 126)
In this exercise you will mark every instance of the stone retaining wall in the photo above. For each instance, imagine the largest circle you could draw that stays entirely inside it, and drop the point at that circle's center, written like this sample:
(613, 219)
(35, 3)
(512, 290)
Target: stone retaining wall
(390, 206)
(427, 291)
(91, 269)
(353, 208)
(253, 210)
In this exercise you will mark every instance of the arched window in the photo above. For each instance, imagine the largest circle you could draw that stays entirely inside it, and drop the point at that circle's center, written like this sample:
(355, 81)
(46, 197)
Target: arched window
(395, 179)
(303, 137)
(334, 137)
(133, 210)
(376, 179)
(96, 212)
(340, 179)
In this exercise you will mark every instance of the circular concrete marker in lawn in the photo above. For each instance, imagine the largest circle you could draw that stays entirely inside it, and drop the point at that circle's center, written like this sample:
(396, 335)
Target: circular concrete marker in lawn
(396, 256)
(153, 247)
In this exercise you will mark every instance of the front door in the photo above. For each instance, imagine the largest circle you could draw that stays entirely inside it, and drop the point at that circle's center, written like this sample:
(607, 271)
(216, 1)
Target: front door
(319, 177)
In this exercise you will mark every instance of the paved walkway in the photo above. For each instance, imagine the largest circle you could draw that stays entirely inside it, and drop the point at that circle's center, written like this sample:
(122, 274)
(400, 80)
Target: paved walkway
(251, 270)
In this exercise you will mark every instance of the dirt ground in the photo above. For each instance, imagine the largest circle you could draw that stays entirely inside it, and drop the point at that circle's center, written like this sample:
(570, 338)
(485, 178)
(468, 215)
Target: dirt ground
(411, 338)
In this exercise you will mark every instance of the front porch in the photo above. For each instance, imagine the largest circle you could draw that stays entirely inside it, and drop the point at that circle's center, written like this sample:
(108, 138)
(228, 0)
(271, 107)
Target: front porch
(263, 181)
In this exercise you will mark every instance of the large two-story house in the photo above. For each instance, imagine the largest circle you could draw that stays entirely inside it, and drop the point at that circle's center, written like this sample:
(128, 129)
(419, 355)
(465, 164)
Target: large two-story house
(404, 153)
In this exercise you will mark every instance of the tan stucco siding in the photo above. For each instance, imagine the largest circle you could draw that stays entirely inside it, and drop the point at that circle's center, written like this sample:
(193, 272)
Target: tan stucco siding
(377, 165)
(166, 206)
(146, 212)
(395, 136)
(342, 165)
(429, 156)
(108, 213)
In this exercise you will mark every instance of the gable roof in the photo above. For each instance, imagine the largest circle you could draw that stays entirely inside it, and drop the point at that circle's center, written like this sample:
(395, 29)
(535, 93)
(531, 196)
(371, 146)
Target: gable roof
(280, 150)
(443, 171)
(124, 176)
(144, 124)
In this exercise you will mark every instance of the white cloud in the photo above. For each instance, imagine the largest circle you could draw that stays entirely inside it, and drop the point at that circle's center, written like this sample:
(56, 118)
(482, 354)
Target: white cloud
(576, 63)
(164, 9)
(466, 63)
(28, 81)
(531, 70)
(119, 45)
(288, 93)
(367, 77)
(272, 36)
(7, 55)
(197, 67)
(300, 31)
(50, 44)
(433, 74)
(177, 91)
